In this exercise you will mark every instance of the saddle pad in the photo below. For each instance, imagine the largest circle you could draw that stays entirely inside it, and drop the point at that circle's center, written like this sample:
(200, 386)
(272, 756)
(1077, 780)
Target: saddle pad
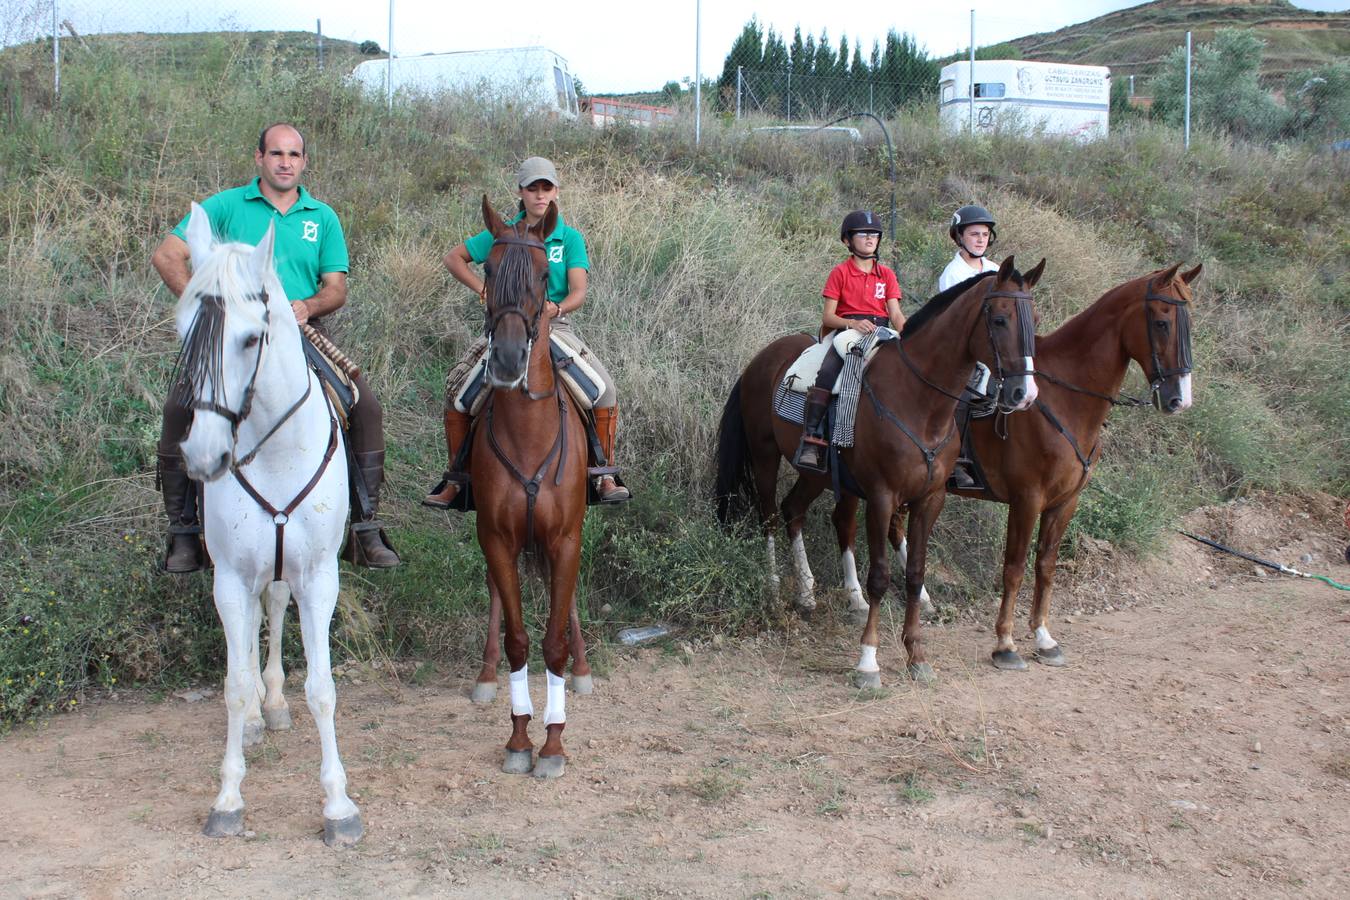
(582, 381)
(802, 373)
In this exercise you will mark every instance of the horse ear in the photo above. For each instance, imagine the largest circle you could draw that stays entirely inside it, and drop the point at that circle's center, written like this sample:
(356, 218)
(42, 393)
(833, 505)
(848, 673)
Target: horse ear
(1167, 274)
(1030, 278)
(1193, 274)
(1005, 269)
(260, 260)
(200, 239)
(491, 220)
(548, 223)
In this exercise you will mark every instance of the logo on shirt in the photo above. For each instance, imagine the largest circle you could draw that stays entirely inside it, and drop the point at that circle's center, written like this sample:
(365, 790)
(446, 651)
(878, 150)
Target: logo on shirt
(311, 232)
(881, 290)
(555, 253)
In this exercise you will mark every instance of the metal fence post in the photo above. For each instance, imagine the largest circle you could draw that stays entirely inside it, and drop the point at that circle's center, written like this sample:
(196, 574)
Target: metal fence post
(740, 74)
(389, 64)
(972, 72)
(56, 52)
(318, 33)
(698, 71)
(1188, 90)
(789, 95)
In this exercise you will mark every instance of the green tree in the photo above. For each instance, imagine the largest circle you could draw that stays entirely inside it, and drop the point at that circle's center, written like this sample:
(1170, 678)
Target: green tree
(1226, 94)
(747, 51)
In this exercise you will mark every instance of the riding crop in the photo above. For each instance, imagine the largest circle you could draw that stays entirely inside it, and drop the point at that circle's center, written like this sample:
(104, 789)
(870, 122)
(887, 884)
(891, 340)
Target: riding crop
(1287, 570)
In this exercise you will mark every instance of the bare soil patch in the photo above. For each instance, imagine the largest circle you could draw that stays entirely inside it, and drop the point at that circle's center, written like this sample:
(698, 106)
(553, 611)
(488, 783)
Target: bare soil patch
(1198, 744)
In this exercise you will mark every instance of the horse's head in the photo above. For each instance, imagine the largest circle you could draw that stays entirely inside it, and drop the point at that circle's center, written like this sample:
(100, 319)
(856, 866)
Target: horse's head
(223, 317)
(1007, 340)
(1163, 347)
(516, 278)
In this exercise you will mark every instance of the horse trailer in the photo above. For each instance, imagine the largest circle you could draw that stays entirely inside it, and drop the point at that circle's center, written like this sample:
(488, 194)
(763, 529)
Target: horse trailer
(1026, 97)
(529, 78)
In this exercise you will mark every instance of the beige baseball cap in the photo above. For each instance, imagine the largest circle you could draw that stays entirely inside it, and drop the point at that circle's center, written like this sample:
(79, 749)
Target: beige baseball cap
(536, 168)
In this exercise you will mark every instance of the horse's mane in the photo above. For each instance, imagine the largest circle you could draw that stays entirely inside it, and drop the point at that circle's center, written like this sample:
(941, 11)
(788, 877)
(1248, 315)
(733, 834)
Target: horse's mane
(220, 286)
(937, 304)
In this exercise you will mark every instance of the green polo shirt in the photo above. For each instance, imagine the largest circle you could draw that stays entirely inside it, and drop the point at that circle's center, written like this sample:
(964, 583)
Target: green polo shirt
(309, 240)
(566, 250)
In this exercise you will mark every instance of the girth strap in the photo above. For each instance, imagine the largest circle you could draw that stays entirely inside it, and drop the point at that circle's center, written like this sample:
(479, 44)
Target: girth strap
(281, 516)
(1084, 461)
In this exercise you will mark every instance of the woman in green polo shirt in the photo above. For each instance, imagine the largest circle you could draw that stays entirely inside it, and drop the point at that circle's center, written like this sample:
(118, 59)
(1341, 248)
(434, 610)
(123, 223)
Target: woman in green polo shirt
(568, 268)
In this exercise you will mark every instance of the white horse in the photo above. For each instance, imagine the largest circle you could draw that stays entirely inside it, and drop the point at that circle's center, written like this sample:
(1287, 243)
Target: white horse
(267, 445)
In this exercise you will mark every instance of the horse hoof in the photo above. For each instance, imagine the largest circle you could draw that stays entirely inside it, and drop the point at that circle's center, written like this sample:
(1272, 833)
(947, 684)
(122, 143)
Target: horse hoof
(583, 684)
(224, 824)
(922, 673)
(866, 680)
(343, 832)
(1054, 656)
(550, 766)
(253, 733)
(1009, 661)
(518, 762)
(484, 692)
(278, 719)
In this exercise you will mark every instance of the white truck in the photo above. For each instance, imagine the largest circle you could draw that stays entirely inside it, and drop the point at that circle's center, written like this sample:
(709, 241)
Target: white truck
(1026, 97)
(534, 79)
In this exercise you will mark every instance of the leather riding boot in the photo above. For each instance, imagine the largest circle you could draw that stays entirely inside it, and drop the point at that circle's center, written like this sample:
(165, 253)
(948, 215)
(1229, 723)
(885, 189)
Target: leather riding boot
(185, 552)
(811, 452)
(607, 427)
(368, 545)
(961, 476)
(456, 430)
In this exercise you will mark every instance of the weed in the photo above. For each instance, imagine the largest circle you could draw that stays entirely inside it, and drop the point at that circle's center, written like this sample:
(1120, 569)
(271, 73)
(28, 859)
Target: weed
(715, 787)
(912, 789)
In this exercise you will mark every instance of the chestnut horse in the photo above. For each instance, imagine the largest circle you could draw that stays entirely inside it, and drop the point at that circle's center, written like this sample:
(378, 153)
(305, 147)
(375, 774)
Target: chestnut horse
(904, 443)
(529, 479)
(1046, 459)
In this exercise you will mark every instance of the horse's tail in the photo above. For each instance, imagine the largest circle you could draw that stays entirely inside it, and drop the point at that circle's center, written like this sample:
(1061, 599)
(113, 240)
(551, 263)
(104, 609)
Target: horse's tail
(734, 491)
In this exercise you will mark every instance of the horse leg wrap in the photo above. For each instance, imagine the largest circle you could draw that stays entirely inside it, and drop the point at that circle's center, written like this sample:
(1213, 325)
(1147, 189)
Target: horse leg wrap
(520, 692)
(868, 660)
(556, 711)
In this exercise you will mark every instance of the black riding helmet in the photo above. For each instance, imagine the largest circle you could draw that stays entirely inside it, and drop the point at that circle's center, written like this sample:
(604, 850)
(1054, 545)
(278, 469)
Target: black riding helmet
(860, 221)
(971, 215)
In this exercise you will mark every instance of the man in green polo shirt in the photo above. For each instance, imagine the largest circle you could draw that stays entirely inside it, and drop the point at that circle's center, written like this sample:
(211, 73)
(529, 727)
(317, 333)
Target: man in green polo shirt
(311, 261)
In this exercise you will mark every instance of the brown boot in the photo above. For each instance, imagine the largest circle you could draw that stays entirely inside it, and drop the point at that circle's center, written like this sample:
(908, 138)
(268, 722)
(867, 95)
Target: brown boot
(368, 545)
(607, 428)
(811, 452)
(456, 429)
(185, 552)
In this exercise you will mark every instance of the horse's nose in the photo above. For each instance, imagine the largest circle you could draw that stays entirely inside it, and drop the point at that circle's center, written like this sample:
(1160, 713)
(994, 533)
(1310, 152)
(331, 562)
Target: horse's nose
(1018, 395)
(1174, 404)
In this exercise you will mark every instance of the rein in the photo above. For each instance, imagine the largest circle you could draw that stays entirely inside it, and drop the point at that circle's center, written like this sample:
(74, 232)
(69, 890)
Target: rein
(1026, 337)
(1159, 374)
(279, 516)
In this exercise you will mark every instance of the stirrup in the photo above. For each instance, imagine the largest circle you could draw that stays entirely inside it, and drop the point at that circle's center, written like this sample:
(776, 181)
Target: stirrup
(440, 497)
(822, 448)
(962, 477)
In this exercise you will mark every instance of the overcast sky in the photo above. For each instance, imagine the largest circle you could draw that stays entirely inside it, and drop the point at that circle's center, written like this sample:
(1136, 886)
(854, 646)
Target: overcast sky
(613, 46)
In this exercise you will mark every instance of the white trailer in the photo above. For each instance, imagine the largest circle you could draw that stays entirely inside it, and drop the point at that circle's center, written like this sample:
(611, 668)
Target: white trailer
(532, 78)
(1027, 97)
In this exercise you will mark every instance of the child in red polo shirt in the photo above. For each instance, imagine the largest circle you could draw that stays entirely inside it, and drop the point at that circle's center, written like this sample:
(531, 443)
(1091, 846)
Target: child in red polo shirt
(860, 295)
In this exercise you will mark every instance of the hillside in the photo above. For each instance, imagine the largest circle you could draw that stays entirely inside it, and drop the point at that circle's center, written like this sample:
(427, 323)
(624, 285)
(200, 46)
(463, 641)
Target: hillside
(1135, 41)
(700, 255)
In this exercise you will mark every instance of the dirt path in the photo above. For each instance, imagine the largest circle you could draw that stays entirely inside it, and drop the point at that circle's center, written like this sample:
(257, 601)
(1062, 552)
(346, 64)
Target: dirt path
(1197, 745)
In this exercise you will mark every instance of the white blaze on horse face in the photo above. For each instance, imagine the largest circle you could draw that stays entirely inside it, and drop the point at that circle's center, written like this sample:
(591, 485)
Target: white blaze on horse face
(556, 710)
(520, 692)
(1029, 382)
(1184, 391)
(849, 564)
(1043, 639)
(867, 662)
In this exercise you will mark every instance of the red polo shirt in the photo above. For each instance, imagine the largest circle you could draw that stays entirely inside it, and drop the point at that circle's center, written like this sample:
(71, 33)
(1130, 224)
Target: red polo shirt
(859, 292)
